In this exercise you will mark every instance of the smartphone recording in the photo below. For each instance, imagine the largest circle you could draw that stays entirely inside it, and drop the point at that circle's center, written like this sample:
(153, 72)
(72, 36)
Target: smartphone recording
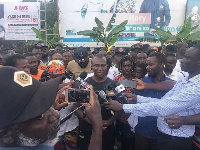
(77, 95)
(129, 83)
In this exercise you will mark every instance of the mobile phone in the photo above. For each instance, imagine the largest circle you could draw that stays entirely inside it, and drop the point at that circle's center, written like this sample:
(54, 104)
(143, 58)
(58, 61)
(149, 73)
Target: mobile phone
(129, 83)
(77, 95)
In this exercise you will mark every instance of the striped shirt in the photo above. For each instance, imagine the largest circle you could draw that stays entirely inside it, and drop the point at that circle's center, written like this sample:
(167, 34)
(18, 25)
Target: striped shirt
(182, 100)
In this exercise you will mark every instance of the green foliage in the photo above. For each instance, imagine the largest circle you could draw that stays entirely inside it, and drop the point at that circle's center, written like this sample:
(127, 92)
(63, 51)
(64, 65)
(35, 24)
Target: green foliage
(52, 39)
(185, 35)
(109, 35)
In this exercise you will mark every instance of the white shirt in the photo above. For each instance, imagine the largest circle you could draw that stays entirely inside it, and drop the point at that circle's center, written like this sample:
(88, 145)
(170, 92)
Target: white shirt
(178, 68)
(112, 73)
(176, 75)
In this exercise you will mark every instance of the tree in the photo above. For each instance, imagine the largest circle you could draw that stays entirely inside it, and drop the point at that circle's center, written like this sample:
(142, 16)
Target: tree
(108, 35)
(185, 35)
(53, 39)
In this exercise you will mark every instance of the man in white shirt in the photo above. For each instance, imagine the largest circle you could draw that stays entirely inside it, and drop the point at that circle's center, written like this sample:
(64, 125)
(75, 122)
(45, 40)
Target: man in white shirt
(181, 48)
(169, 68)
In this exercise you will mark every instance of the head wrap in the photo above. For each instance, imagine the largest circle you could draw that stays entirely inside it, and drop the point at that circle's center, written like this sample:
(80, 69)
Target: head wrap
(56, 67)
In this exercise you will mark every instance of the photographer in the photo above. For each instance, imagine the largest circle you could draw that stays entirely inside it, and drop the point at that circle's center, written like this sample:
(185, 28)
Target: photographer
(27, 119)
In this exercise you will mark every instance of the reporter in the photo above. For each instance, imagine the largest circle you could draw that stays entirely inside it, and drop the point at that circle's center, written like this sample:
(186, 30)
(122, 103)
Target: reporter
(27, 119)
(182, 100)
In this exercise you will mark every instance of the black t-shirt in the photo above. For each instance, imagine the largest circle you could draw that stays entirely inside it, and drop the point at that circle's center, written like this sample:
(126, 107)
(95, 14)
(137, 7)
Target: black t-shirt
(86, 129)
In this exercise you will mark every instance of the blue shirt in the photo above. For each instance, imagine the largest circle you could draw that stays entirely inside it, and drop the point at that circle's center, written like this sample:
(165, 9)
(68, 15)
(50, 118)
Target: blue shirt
(160, 12)
(39, 147)
(182, 100)
(147, 126)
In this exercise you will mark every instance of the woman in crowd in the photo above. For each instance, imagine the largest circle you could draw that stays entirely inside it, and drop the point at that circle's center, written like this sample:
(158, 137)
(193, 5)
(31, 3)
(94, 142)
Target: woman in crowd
(126, 68)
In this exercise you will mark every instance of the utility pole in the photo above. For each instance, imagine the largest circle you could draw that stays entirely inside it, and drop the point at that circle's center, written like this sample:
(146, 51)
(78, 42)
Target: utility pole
(45, 17)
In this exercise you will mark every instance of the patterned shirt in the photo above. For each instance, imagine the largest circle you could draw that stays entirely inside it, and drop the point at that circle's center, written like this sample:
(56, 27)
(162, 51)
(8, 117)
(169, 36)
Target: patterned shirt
(182, 100)
(127, 6)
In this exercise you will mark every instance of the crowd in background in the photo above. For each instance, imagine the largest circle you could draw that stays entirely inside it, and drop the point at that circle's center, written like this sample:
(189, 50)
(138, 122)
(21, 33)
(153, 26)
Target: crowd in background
(140, 61)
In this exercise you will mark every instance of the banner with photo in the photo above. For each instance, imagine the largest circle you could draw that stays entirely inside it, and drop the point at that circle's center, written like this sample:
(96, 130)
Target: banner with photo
(193, 11)
(143, 17)
(17, 19)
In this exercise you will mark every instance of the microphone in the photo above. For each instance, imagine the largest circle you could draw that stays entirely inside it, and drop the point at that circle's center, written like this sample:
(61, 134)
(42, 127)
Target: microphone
(116, 91)
(103, 95)
(79, 80)
(69, 75)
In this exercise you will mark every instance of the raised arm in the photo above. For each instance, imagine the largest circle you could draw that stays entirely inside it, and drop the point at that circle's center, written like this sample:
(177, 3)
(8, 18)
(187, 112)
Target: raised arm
(161, 86)
(93, 112)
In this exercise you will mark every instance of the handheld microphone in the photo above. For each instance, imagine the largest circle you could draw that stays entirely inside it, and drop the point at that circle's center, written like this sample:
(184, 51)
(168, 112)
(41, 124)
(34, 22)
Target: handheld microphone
(69, 75)
(103, 95)
(116, 91)
(79, 80)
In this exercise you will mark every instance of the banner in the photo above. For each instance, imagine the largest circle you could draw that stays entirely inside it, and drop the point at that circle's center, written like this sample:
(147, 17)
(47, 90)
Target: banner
(193, 11)
(143, 17)
(17, 19)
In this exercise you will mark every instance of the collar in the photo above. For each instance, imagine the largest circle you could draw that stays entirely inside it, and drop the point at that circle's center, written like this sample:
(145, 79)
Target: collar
(163, 79)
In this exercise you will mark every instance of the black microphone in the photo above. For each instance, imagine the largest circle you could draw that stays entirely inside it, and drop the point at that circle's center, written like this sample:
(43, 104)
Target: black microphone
(79, 80)
(116, 91)
(103, 95)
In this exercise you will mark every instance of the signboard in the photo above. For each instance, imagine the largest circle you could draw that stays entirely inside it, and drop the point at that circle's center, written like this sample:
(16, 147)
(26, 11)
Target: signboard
(17, 19)
(193, 11)
(143, 17)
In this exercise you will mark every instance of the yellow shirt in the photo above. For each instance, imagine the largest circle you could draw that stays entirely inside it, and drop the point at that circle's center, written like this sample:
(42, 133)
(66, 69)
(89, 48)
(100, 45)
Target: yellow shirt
(77, 70)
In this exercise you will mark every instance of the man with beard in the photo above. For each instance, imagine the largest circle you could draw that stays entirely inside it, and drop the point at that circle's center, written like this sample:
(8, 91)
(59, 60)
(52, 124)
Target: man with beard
(28, 120)
(181, 48)
(181, 100)
(99, 81)
(35, 72)
(80, 63)
(169, 68)
(146, 129)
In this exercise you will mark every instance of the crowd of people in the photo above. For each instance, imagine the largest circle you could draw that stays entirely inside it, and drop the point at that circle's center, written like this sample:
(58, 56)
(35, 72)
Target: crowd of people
(162, 112)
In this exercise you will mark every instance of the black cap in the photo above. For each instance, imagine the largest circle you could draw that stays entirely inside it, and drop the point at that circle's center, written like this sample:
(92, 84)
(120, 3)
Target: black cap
(23, 97)
(81, 55)
(120, 51)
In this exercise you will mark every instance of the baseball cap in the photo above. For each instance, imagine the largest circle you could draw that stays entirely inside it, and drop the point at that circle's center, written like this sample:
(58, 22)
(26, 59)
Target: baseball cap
(56, 67)
(42, 44)
(22, 97)
(81, 55)
(120, 51)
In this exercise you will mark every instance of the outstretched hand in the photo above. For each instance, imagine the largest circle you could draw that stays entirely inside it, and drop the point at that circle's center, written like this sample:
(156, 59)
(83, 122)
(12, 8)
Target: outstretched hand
(140, 84)
(113, 105)
(60, 98)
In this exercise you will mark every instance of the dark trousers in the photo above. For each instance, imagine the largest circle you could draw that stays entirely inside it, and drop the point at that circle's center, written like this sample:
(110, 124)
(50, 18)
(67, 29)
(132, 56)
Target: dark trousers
(142, 143)
(167, 142)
